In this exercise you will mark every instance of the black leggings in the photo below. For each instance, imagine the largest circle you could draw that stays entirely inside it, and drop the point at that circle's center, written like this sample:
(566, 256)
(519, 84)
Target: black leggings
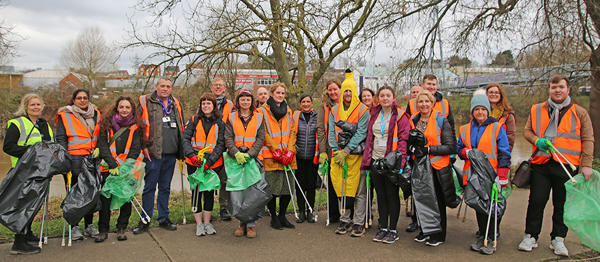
(208, 197)
(284, 202)
(388, 201)
(307, 177)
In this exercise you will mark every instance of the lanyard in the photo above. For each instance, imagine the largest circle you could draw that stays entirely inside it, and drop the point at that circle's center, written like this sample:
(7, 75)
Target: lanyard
(166, 109)
(384, 122)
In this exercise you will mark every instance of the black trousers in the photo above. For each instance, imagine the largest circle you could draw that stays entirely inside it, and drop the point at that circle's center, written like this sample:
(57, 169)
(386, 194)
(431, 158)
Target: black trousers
(388, 201)
(334, 209)
(307, 177)
(208, 197)
(546, 177)
(104, 218)
(76, 169)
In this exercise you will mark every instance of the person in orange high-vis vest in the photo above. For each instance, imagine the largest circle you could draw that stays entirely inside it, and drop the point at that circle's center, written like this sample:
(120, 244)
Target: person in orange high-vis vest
(244, 138)
(441, 143)
(307, 148)
(204, 130)
(162, 122)
(567, 126)
(77, 130)
(486, 134)
(123, 122)
(441, 105)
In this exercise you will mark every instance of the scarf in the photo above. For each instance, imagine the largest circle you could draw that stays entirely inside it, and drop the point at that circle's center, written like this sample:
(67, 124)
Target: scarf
(221, 102)
(497, 111)
(278, 111)
(118, 121)
(85, 116)
(555, 108)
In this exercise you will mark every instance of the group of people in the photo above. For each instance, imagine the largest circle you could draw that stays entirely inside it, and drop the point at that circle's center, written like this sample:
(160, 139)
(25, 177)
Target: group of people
(351, 132)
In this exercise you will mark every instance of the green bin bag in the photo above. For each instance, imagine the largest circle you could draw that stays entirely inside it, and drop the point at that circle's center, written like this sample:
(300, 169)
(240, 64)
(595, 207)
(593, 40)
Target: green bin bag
(582, 209)
(205, 181)
(240, 177)
(122, 188)
(457, 187)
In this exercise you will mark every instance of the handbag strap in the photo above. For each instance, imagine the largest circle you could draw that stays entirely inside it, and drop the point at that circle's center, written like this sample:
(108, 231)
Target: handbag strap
(533, 154)
(117, 135)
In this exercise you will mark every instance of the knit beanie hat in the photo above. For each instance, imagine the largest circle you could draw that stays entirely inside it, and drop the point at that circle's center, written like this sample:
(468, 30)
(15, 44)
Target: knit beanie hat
(480, 99)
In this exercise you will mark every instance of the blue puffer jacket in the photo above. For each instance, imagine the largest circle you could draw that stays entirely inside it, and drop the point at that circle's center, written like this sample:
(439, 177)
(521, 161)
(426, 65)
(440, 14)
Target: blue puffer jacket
(306, 136)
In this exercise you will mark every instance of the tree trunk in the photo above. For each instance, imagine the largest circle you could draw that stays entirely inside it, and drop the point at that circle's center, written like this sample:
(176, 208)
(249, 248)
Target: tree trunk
(595, 96)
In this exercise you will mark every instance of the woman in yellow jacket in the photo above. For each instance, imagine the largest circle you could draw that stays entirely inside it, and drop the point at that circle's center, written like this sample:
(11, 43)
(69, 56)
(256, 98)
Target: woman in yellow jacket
(279, 151)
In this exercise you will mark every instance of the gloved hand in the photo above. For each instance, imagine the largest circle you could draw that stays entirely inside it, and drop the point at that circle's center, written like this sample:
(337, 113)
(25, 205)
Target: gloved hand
(278, 155)
(246, 156)
(340, 157)
(543, 144)
(503, 177)
(206, 167)
(288, 157)
(240, 158)
(96, 153)
(323, 157)
(114, 171)
(195, 161)
(464, 153)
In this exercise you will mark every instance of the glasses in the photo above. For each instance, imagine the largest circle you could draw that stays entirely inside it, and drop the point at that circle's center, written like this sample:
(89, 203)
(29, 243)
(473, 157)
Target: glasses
(82, 98)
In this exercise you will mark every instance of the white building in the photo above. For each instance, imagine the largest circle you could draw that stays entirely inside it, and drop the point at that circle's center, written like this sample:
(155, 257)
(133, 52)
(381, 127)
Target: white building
(44, 78)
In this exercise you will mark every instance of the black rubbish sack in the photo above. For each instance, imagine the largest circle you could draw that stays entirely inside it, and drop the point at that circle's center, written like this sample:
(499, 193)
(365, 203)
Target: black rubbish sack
(23, 189)
(446, 179)
(424, 196)
(348, 130)
(85, 195)
(405, 180)
(480, 180)
(416, 143)
(249, 204)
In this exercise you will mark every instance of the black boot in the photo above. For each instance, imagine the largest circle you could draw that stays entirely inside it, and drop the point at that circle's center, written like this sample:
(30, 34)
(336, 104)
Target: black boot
(301, 217)
(310, 218)
(20, 246)
(285, 222)
(30, 237)
(275, 222)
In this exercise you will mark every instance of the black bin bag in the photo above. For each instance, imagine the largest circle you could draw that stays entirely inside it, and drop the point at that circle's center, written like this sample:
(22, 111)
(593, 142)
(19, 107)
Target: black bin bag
(478, 190)
(85, 195)
(247, 205)
(23, 189)
(424, 196)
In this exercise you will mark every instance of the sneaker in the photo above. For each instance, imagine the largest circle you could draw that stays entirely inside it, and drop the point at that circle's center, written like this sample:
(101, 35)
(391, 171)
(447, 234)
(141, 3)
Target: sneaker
(357, 230)
(421, 238)
(412, 227)
(558, 245)
(240, 231)
(140, 228)
(489, 249)
(200, 230)
(168, 225)
(101, 237)
(528, 243)
(433, 242)
(76, 233)
(390, 237)
(210, 229)
(225, 216)
(91, 230)
(380, 235)
(251, 232)
(342, 229)
(477, 245)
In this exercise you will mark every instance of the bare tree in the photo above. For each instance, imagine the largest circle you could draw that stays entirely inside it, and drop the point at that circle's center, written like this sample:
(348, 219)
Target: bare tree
(89, 54)
(8, 41)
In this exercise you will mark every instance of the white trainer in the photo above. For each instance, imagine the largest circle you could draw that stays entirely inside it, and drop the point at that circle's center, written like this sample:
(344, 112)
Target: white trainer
(558, 245)
(528, 243)
(200, 230)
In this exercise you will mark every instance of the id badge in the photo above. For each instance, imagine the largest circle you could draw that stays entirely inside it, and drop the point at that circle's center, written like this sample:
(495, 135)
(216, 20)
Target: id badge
(166, 119)
(381, 143)
(173, 125)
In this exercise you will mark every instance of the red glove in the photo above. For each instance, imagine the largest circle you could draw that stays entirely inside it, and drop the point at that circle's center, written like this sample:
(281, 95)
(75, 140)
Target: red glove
(278, 155)
(503, 176)
(194, 160)
(463, 153)
(206, 167)
(288, 158)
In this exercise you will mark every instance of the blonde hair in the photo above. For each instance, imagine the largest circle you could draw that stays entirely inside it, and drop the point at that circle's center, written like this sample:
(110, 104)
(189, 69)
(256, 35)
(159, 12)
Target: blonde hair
(426, 93)
(276, 85)
(22, 110)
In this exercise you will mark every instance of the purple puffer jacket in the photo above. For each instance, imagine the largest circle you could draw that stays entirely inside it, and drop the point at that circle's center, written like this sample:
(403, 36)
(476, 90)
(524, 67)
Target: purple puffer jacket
(403, 129)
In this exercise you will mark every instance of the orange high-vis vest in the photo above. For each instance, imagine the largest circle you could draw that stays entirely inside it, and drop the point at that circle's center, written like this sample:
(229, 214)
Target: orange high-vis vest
(245, 137)
(356, 114)
(487, 144)
(200, 140)
(443, 107)
(120, 158)
(146, 118)
(280, 134)
(568, 139)
(80, 141)
(296, 120)
(433, 132)
(401, 113)
(227, 108)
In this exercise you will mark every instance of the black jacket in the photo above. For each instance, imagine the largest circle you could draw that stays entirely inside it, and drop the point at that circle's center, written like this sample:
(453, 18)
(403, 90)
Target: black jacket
(120, 143)
(448, 145)
(11, 138)
(207, 123)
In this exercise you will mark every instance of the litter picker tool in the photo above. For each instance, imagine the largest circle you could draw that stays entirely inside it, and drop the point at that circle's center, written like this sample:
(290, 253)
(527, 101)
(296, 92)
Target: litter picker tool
(42, 239)
(344, 185)
(182, 192)
(556, 154)
(555, 150)
(299, 187)
(143, 215)
(322, 171)
(368, 220)
(493, 204)
(69, 176)
(290, 188)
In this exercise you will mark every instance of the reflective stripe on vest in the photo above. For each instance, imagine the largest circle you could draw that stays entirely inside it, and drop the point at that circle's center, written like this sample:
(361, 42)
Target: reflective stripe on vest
(26, 127)
(200, 140)
(296, 124)
(356, 114)
(146, 117)
(487, 144)
(412, 105)
(246, 136)
(568, 139)
(120, 158)
(278, 133)
(80, 141)
(433, 132)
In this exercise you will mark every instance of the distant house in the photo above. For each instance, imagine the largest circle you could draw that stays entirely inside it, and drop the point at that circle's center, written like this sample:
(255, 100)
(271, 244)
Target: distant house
(171, 71)
(44, 78)
(117, 75)
(72, 81)
(147, 70)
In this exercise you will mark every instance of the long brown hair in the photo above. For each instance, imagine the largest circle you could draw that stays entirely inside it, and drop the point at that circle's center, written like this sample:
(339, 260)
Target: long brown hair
(503, 100)
(106, 125)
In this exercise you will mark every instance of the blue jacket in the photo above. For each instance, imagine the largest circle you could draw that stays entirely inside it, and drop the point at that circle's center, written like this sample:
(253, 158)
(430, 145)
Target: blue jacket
(501, 141)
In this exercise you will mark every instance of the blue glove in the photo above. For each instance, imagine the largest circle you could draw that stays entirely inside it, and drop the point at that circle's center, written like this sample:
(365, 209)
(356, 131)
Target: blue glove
(543, 144)
(400, 172)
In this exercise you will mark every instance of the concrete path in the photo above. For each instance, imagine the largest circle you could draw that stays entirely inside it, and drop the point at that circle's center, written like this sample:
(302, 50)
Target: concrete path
(308, 242)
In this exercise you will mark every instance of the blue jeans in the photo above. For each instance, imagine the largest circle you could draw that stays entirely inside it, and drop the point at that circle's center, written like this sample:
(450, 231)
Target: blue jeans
(158, 171)
(251, 224)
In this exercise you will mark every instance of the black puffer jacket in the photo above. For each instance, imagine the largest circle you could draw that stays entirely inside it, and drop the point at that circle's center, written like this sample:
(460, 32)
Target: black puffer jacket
(306, 136)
